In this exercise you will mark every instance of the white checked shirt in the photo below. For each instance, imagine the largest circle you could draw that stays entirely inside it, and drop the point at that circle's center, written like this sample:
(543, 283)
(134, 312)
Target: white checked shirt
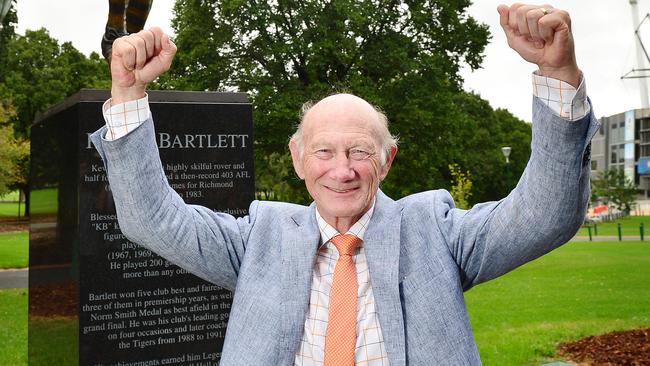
(563, 99)
(125, 117)
(370, 349)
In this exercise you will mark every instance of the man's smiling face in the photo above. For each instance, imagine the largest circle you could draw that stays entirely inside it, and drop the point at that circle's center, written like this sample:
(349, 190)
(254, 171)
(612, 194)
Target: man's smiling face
(340, 157)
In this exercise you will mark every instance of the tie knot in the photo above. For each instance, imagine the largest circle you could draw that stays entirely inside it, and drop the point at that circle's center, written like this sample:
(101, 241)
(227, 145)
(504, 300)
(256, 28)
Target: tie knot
(346, 243)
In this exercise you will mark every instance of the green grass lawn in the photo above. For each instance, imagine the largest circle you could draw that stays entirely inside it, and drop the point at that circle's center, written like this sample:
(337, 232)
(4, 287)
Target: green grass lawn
(14, 250)
(44, 201)
(53, 342)
(578, 290)
(10, 209)
(629, 227)
(59, 335)
(13, 326)
(9, 205)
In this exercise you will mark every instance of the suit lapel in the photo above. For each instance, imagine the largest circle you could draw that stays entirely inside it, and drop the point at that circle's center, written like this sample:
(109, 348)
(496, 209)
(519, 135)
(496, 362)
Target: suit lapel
(299, 245)
(382, 247)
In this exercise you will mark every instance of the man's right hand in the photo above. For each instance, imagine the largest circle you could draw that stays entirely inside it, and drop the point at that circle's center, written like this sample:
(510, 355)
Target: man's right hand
(138, 59)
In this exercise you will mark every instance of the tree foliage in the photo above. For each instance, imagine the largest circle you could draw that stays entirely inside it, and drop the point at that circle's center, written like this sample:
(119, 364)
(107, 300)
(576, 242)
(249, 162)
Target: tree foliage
(279, 165)
(403, 56)
(461, 186)
(37, 72)
(483, 132)
(612, 187)
(14, 154)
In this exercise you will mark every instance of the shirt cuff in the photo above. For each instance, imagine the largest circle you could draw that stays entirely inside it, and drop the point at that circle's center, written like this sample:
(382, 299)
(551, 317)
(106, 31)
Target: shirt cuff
(125, 117)
(561, 97)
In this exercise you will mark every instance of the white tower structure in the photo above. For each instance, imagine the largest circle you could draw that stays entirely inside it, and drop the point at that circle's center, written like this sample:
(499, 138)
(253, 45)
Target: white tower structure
(640, 54)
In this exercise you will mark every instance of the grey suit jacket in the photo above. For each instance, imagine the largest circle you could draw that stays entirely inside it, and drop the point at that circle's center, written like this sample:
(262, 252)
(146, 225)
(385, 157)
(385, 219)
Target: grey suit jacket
(422, 252)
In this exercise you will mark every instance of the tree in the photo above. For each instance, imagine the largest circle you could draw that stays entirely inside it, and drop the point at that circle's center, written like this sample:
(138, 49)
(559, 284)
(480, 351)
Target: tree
(403, 56)
(461, 189)
(612, 187)
(7, 156)
(279, 165)
(38, 72)
(484, 132)
(14, 154)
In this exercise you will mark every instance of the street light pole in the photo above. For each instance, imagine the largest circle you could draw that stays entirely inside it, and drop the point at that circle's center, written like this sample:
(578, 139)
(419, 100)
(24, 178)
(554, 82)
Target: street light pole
(506, 154)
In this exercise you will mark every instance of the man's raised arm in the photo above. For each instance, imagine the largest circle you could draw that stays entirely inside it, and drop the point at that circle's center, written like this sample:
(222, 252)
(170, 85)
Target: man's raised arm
(549, 203)
(149, 211)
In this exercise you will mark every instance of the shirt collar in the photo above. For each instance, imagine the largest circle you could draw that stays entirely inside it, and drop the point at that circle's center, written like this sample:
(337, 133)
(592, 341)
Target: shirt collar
(327, 231)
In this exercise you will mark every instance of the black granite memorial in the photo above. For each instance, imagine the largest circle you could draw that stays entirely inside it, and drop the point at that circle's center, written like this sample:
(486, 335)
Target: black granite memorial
(95, 298)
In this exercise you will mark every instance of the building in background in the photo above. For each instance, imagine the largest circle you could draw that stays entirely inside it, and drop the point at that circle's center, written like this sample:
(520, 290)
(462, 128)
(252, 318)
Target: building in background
(623, 142)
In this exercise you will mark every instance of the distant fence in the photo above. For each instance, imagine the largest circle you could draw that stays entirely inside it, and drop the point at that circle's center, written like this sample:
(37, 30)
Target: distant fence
(609, 216)
(592, 230)
(642, 208)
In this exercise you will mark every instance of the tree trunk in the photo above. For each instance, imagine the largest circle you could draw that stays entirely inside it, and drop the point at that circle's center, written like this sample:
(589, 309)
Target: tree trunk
(26, 192)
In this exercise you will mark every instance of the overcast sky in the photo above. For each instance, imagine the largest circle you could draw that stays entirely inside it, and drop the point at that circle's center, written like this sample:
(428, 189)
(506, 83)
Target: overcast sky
(602, 29)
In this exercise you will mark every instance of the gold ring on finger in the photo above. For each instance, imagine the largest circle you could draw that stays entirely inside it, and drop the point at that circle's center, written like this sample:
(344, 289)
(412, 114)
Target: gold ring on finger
(544, 10)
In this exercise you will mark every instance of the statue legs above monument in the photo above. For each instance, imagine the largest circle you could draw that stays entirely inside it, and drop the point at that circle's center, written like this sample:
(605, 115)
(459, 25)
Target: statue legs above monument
(124, 17)
(136, 15)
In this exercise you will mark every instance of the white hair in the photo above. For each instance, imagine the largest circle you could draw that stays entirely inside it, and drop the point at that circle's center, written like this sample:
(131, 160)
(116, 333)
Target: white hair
(387, 140)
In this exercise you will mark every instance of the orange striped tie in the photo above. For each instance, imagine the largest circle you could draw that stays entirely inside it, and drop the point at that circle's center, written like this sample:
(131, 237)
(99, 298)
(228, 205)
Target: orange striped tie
(341, 337)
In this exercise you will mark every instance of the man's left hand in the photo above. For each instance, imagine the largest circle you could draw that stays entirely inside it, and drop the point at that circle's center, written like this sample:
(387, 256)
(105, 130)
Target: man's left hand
(542, 35)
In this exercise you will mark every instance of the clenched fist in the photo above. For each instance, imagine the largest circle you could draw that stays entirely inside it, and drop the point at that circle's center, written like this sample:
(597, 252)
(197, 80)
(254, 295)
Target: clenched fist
(542, 35)
(138, 59)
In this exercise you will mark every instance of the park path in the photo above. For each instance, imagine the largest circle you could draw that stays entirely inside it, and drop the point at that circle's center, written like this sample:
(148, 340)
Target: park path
(14, 278)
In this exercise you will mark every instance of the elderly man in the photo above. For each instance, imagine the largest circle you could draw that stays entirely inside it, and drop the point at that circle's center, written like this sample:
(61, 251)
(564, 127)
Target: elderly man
(357, 277)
